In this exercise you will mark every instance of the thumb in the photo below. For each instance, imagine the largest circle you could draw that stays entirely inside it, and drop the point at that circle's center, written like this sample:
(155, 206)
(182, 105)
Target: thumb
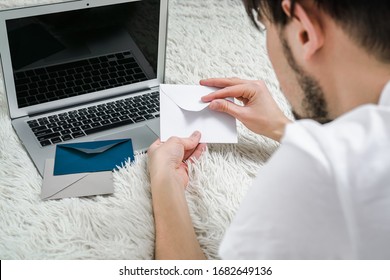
(225, 106)
(192, 141)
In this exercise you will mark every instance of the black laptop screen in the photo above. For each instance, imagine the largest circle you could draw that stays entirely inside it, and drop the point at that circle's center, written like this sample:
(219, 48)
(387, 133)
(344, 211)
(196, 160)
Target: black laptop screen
(66, 54)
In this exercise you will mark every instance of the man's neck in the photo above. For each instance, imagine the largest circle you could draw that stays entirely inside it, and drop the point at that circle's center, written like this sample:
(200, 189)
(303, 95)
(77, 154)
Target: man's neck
(353, 77)
(361, 84)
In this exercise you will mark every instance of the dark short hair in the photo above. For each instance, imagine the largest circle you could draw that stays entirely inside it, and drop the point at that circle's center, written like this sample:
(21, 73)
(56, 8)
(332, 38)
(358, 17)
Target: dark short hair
(366, 22)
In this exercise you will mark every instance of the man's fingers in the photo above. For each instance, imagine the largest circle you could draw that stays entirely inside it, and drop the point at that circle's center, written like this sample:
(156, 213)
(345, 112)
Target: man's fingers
(222, 93)
(192, 147)
(238, 91)
(225, 106)
(191, 142)
(198, 151)
(222, 82)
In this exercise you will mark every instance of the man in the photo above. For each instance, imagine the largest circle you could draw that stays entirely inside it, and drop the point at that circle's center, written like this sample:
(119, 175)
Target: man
(325, 194)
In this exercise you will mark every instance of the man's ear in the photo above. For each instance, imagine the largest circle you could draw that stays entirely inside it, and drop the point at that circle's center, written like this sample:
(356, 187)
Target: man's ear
(310, 33)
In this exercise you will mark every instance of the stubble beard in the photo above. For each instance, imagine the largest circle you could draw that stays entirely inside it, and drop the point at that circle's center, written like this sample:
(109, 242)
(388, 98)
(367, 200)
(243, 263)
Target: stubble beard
(313, 104)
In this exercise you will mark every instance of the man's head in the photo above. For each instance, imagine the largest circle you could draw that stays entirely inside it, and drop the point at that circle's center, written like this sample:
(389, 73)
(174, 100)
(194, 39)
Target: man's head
(310, 40)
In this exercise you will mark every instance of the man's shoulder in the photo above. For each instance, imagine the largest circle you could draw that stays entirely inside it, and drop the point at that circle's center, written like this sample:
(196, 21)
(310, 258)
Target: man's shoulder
(359, 136)
(368, 122)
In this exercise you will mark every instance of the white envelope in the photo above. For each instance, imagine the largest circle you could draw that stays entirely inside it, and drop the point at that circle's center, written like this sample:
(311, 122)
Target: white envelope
(182, 112)
(74, 185)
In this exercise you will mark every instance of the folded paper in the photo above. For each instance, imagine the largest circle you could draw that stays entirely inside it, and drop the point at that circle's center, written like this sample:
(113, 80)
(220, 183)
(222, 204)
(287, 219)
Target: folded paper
(92, 156)
(182, 112)
(74, 185)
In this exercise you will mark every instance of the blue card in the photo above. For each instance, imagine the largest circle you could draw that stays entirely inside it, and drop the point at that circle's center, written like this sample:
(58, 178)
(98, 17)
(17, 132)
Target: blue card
(92, 156)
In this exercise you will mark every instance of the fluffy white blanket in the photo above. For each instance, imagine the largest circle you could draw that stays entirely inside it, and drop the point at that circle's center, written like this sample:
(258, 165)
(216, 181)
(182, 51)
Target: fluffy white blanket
(210, 38)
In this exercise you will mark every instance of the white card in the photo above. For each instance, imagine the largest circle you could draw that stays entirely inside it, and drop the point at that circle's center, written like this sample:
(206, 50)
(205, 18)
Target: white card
(182, 112)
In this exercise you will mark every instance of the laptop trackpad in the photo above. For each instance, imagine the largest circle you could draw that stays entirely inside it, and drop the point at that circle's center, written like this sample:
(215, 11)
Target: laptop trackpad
(142, 137)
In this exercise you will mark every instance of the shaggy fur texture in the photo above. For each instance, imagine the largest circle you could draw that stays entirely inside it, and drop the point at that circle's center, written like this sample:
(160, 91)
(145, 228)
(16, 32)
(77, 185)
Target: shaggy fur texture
(210, 38)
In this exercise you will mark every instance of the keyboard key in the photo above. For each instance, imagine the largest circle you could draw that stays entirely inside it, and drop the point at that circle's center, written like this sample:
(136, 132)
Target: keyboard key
(140, 76)
(102, 113)
(56, 140)
(76, 124)
(137, 70)
(90, 116)
(67, 126)
(22, 81)
(66, 137)
(33, 123)
(85, 126)
(62, 122)
(87, 121)
(61, 86)
(151, 110)
(96, 119)
(78, 134)
(43, 89)
(78, 76)
(112, 82)
(52, 88)
(139, 119)
(62, 73)
(121, 80)
(120, 56)
(41, 97)
(122, 118)
(87, 75)
(69, 91)
(95, 125)
(149, 117)
(21, 88)
(39, 128)
(94, 60)
(48, 136)
(70, 71)
(126, 61)
(23, 94)
(45, 143)
(86, 87)
(43, 132)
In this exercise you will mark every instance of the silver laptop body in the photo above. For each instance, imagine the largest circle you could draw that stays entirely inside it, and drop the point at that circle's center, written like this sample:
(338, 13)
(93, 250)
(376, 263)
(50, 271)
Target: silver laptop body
(83, 70)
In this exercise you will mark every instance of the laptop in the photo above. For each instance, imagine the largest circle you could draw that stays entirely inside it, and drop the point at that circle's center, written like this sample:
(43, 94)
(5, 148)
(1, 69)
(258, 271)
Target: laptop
(83, 70)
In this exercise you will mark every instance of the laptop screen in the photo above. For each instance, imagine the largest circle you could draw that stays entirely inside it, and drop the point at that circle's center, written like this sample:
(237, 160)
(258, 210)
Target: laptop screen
(61, 55)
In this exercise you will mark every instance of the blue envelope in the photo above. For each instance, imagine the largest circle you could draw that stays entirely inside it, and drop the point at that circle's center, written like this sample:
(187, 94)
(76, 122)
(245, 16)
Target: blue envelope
(92, 156)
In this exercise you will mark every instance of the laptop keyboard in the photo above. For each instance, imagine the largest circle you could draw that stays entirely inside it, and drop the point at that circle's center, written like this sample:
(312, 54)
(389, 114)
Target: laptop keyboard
(76, 78)
(77, 123)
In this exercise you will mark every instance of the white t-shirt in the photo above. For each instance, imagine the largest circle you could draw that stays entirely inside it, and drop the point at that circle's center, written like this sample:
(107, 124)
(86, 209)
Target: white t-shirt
(325, 194)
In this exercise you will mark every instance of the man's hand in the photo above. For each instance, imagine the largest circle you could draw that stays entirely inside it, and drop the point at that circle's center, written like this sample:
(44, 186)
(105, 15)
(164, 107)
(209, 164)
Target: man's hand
(260, 112)
(168, 159)
(175, 235)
